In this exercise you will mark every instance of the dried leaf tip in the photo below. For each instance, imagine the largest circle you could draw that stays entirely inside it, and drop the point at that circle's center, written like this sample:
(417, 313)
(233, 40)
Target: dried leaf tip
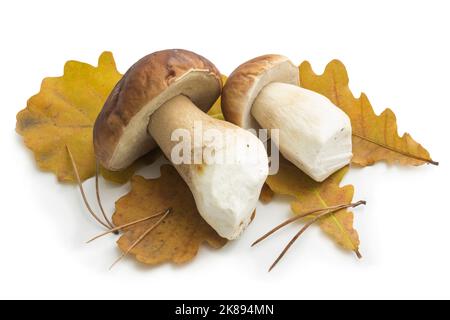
(375, 137)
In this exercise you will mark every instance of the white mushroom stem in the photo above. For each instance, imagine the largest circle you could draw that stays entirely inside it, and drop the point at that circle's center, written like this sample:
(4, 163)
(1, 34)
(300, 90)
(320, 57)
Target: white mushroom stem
(227, 187)
(315, 135)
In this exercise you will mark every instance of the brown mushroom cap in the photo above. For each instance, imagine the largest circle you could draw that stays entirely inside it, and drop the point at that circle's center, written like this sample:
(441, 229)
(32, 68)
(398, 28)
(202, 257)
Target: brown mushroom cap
(245, 83)
(120, 131)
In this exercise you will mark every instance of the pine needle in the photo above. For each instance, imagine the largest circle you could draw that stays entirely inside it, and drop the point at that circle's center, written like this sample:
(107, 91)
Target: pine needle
(134, 244)
(306, 226)
(297, 217)
(99, 201)
(128, 225)
(80, 185)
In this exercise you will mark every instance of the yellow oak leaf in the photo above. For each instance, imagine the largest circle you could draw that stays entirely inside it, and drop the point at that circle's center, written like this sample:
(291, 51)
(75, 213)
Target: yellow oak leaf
(311, 195)
(63, 113)
(178, 238)
(216, 109)
(375, 137)
(266, 195)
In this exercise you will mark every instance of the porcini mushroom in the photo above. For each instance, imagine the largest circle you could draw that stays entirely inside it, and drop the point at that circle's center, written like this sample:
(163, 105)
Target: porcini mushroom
(314, 134)
(170, 90)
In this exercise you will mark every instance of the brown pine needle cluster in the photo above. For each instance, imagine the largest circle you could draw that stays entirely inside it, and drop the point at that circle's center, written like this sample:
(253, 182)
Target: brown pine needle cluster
(135, 243)
(106, 222)
(319, 214)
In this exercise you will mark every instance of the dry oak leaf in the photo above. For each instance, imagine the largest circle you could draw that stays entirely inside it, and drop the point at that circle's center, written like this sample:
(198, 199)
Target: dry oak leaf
(375, 137)
(311, 195)
(216, 109)
(63, 113)
(266, 194)
(178, 238)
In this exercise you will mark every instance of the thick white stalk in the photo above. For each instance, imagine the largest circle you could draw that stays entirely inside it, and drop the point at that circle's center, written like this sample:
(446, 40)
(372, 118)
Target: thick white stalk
(226, 187)
(315, 135)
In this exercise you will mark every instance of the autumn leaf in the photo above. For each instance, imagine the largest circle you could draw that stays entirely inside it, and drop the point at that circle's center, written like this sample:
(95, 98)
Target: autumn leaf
(375, 137)
(311, 195)
(178, 238)
(216, 109)
(125, 175)
(266, 195)
(63, 113)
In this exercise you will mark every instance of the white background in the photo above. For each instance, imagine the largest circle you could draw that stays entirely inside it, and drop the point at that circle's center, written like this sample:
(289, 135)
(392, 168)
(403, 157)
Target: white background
(396, 51)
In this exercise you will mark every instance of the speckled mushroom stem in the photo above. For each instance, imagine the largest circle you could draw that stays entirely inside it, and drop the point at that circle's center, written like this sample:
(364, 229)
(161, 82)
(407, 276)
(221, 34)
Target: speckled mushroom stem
(314, 134)
(181, 113)
(226, 189)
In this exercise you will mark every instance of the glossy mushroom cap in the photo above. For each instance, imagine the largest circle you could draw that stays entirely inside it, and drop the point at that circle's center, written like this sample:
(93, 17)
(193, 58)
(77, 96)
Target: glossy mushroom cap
(245, 83)
(120, 131)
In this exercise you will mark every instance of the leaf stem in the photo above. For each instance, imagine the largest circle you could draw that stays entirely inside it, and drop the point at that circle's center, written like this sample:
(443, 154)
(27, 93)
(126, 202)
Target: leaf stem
(406, 154)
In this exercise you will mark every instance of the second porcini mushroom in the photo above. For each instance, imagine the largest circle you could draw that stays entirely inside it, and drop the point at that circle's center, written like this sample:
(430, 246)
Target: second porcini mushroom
(167, 91)
(314, 134)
